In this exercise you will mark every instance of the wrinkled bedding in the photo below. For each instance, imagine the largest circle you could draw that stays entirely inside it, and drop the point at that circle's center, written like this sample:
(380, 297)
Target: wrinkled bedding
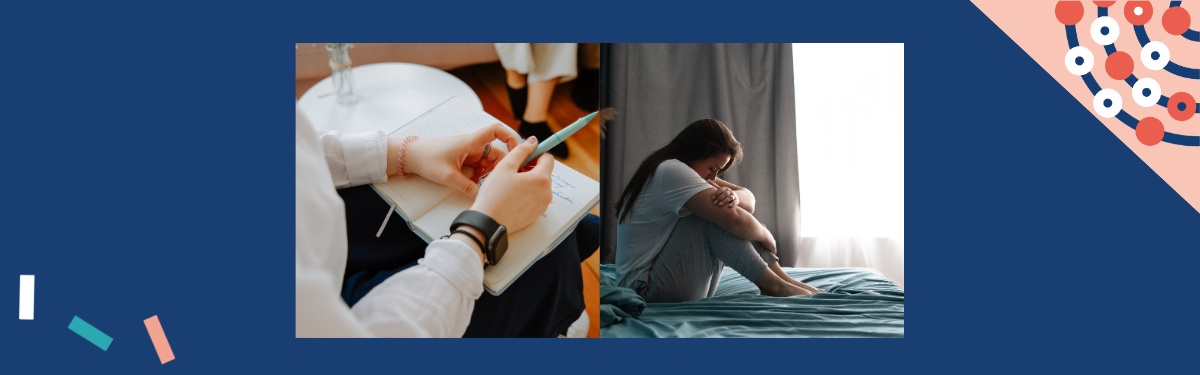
(861, 303)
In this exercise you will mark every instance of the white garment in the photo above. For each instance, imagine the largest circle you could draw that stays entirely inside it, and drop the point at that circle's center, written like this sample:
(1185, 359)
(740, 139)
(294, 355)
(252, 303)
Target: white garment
(432, 299)
(657, 210)
(541, 61)
(367, 152)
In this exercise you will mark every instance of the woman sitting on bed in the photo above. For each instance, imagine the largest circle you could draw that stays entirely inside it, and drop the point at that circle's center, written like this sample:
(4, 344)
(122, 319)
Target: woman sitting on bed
(679, 225)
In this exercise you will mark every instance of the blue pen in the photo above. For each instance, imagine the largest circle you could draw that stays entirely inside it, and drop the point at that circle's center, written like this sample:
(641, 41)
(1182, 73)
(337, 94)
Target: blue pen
(559, 137)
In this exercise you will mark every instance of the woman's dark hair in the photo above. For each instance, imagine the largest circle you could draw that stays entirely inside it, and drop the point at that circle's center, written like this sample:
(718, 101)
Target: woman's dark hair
(702, 139)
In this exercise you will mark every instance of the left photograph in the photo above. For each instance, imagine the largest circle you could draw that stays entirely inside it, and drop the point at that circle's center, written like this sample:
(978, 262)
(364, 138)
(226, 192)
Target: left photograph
(447, 190)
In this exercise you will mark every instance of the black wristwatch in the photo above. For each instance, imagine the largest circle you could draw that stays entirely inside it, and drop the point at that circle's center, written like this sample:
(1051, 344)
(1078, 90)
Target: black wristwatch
(495, 236)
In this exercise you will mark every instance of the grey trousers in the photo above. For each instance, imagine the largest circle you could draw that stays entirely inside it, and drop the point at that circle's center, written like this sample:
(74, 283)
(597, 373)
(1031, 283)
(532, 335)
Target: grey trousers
(690, 264)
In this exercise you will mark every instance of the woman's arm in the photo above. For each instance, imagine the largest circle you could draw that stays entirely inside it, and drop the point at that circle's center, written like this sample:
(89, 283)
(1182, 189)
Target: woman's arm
(735, 220)
(455, 161)
(740, 196)
(436, 298)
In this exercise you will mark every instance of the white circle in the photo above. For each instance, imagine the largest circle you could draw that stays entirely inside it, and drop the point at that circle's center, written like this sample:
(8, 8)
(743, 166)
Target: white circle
(1113, 31)
(1112, 109)
(1079, 52)
(1164, 55)
(1137, 11)
(1140, 87)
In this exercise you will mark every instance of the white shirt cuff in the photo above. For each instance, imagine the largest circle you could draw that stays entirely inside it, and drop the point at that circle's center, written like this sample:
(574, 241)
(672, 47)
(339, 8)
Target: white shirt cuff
(458, 264)
(366, 157)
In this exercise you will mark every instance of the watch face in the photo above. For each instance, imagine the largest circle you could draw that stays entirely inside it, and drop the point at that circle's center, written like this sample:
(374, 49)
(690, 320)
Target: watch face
(499, 244)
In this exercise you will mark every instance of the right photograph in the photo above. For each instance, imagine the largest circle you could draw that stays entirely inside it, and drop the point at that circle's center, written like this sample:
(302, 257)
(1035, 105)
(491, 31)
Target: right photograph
(752, 190)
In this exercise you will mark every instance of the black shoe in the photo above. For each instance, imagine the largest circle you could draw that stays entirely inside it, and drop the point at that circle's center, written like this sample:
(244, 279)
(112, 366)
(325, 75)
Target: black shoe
(542, 131)
(517, 99)
(586, 93)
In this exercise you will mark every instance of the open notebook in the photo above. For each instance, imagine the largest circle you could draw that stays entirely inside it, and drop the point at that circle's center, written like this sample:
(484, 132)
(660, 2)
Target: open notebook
(429, 207)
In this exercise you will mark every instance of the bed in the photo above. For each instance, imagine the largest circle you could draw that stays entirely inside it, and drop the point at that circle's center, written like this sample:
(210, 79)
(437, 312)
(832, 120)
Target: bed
(861, 303)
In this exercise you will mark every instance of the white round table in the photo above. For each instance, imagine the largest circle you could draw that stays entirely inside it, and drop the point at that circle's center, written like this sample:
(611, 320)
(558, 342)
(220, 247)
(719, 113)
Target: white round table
(389, 96)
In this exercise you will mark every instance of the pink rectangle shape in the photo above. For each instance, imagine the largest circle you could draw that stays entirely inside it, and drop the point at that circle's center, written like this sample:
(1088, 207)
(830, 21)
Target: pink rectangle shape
(160, 340)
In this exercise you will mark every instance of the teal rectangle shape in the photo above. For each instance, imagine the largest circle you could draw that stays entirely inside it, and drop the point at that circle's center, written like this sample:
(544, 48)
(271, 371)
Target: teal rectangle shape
(90, 333)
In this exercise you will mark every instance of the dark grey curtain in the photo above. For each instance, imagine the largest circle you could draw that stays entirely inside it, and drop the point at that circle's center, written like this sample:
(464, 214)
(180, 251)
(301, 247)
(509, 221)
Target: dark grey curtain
(658, 89)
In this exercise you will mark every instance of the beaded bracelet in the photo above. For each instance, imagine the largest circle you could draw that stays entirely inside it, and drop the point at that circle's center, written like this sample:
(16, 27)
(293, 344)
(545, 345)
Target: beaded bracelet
(400, 156)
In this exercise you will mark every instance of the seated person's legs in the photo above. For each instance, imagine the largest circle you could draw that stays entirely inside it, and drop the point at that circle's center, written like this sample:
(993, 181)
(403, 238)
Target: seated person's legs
(546, 299)
(775, 268)
(588, 236)
(685, 270)
(771, 279)
(396, 247)
(690, 264)
(543, 302)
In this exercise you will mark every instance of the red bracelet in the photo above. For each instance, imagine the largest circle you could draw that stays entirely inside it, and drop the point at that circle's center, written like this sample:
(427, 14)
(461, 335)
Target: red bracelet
(400, 156)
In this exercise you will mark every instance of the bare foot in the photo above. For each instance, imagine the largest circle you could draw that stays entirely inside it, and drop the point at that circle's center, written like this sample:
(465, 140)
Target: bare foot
(810, 288)
(804, 286)
(771, 284)
(786, 290)
(782, 275)
(803, 292)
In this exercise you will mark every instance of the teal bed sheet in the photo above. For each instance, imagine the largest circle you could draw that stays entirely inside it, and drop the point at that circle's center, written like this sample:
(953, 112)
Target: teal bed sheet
(861, 303)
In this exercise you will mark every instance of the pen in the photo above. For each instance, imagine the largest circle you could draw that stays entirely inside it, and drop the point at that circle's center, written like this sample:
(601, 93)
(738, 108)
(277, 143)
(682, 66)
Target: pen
(559, 137)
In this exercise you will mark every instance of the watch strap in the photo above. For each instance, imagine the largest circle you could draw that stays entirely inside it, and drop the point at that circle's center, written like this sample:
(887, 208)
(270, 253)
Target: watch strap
(486, 226)
(473, 238)
(478, 220)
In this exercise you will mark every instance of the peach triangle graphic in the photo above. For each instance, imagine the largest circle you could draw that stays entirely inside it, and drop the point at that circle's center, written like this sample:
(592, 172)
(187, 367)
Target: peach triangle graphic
(1149, 106)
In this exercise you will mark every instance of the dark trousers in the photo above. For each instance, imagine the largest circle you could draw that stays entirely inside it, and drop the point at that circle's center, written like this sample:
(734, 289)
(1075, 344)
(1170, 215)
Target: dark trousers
(543, 302)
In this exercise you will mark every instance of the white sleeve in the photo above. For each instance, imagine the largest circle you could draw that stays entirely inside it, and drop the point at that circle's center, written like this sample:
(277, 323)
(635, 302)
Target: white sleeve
(320, 244)
(433, 299)
(355, 159)
(676, 183)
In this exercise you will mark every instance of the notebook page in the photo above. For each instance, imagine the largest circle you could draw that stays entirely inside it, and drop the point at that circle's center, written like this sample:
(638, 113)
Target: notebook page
(415, 196)
(574, 194)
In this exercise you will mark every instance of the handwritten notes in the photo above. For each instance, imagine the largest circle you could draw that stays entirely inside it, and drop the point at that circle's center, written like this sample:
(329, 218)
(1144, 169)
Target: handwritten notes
(562, 187)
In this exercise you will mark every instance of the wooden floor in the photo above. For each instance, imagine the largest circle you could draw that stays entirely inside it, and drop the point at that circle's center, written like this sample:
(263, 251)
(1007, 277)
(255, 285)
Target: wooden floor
(487, 80)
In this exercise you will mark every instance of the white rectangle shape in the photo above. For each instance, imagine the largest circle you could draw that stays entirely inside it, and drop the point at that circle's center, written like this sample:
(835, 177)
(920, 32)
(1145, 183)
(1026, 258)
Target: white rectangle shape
(26, 297)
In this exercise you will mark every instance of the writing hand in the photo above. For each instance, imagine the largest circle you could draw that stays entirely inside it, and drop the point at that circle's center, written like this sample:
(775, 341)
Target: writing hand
(458, 161)
(513, 198)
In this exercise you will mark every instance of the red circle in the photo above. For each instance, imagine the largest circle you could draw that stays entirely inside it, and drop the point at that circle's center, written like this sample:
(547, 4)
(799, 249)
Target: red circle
(1176, 20)
(1138, 20)
(1068, 12)
(1189, 106)
(1119, 65)
(1104, 4)
(1149, 131)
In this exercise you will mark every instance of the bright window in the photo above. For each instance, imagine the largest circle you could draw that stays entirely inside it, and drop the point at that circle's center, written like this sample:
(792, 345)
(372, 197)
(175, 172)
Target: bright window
(850, 139)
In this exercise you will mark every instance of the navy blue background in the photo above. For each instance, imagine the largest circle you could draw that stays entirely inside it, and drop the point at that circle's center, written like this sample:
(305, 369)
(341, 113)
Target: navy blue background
(148, 153)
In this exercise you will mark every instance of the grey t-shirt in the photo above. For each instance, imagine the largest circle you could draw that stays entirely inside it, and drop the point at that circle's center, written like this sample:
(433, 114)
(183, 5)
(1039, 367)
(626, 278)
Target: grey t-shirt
(657, 210)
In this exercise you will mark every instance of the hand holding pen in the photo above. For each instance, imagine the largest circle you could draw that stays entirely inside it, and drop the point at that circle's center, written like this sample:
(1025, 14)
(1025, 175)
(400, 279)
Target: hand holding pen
(456, 161)
(556, 139)
(516, 199)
